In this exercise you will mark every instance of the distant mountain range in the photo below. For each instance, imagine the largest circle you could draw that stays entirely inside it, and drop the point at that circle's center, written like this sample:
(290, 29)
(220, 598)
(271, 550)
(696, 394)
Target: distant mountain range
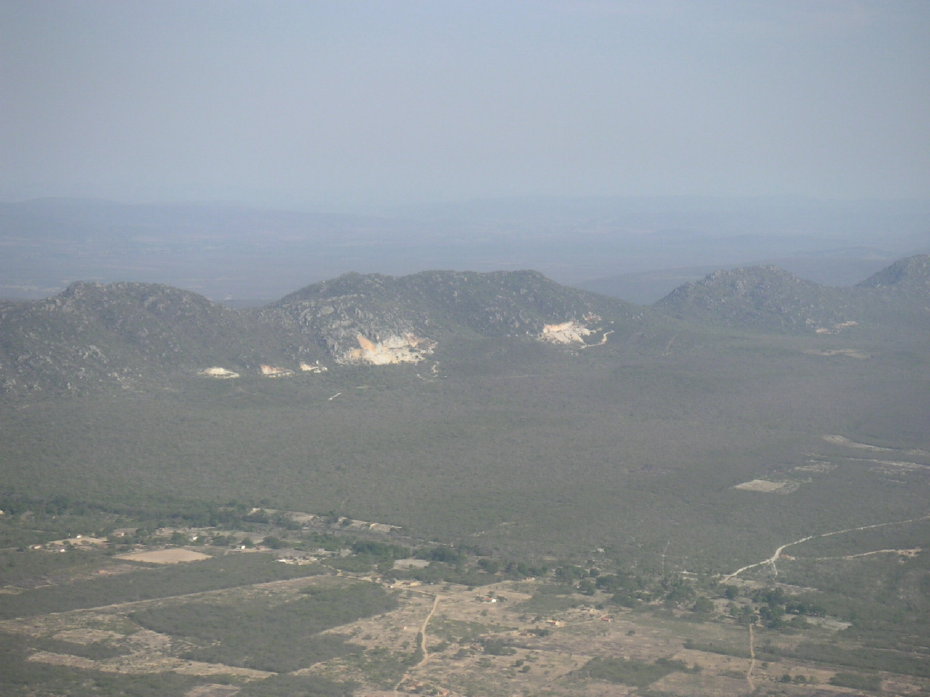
(134, 335)
(638, 249)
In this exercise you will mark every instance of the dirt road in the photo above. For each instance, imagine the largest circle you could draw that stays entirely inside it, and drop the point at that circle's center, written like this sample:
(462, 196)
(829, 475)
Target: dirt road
(423, 645)
(778, 552)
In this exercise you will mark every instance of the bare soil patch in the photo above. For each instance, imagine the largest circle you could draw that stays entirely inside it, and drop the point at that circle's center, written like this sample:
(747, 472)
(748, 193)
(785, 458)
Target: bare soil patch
(166, 556)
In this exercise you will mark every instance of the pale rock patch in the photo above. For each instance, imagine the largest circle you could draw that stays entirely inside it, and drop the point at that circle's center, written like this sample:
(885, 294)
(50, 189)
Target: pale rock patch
(218, 373)
(571, 332)
(818, 466)
(392, 350)
(273, 371)
(766, 486)
(849, 353)
(836, 328)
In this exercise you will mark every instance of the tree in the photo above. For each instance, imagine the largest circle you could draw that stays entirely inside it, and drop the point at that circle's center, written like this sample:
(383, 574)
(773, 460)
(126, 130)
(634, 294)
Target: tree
(703, 605)
(272, 542)
(586, 586)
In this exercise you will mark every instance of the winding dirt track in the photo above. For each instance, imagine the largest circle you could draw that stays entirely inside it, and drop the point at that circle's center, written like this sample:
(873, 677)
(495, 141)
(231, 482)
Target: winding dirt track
(424, 645)
(778, 552)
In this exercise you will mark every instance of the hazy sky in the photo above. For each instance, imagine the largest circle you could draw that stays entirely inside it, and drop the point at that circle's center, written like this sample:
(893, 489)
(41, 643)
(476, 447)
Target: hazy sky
(334, 103)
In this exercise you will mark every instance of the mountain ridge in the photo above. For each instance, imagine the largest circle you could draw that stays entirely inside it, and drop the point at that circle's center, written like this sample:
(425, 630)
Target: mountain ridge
(136, 335)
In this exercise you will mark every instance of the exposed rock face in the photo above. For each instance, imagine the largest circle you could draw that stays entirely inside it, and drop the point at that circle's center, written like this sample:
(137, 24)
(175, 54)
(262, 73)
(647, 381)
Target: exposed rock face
(273, 371)
(312, 367)
(570, 332)
(382, 320)
(836, 328)
(219, 373)
(392, 350)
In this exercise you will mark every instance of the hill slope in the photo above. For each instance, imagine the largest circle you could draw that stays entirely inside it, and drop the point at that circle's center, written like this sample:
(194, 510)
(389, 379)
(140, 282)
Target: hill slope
(909, 276)
(762, 297)
(382, 319)
(127, 334)
(770, 299)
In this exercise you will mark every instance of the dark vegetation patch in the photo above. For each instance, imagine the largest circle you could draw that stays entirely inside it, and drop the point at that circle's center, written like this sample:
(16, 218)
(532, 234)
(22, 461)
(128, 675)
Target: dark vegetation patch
(550, 599)
(297, 686)
(860, 658)
(857, 681)
(381, 666)
(29, 568)
(273, 637)
(22, 678)
(886, 598)
(146, 583)
(628, 671)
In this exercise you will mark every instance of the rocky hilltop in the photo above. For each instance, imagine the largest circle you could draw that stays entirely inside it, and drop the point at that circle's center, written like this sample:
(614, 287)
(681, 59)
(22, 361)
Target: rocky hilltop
(382, 319)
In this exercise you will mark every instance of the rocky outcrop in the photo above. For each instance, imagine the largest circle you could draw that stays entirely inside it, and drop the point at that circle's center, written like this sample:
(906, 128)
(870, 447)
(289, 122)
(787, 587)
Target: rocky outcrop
(218, 373)
(570, 332)
(273, 371)
(392, 350)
